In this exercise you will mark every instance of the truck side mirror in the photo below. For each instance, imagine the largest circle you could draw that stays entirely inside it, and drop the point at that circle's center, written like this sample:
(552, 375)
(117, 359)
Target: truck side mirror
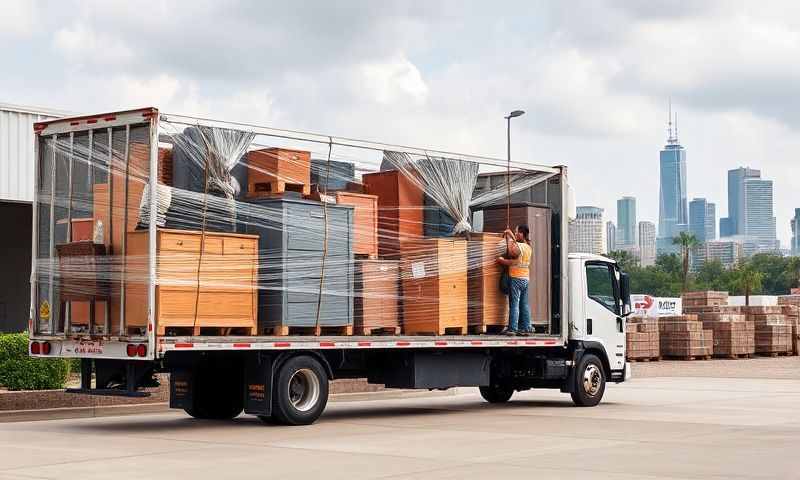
(625, 294)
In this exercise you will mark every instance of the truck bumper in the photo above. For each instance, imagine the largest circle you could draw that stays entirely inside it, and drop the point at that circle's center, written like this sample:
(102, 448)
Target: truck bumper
(628, 372)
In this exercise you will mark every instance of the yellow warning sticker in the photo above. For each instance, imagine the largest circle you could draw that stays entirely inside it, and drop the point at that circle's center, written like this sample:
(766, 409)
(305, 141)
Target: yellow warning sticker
(44, 310)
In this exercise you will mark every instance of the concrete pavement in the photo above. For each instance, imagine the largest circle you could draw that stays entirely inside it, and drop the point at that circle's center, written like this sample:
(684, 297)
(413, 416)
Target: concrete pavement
(654, 428)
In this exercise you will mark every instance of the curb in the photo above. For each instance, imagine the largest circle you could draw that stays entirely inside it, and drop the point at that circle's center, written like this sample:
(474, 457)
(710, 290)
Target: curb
(65, 413)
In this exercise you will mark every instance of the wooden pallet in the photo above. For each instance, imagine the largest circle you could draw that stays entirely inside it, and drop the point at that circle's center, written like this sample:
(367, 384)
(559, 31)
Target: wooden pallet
(734, 356)
(377, 331)
(690, 357)
(198, 331)
(285, 330)
(774, 354)
(486, 329)
(645, 359)
(445, 331)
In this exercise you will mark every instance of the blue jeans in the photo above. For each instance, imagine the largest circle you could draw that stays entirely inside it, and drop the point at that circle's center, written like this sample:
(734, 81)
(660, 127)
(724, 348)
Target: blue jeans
(519, 311)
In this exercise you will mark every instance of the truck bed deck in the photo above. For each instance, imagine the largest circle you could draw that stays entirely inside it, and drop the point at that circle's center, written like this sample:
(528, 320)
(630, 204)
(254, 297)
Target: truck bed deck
(178, 343)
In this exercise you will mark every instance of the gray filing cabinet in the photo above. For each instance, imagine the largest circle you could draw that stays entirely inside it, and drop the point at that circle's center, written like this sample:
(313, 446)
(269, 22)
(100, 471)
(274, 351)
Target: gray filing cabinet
(291, 242)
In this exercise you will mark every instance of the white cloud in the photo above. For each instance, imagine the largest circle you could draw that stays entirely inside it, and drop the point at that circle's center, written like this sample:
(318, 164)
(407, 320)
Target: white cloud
(18, 18)
(393, 81)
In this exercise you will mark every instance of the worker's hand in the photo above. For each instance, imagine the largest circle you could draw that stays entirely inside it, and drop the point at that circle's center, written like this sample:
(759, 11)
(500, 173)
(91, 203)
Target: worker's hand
(499, 260)
(509, 233)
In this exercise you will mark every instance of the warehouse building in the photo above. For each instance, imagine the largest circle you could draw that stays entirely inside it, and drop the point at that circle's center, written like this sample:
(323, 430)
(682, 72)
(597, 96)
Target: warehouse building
(16, 200)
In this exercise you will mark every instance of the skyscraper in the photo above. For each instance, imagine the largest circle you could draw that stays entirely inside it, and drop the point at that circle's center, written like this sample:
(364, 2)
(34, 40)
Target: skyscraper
(611, 237)
(672, 208)
(647, 243)
(626, 221)
(702, 220)
(586, 231)
(759, 219)
(795, 224)
(734, 223)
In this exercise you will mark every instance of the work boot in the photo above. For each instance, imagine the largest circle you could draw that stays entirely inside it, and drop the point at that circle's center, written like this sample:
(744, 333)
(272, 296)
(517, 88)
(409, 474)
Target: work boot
(509, 333)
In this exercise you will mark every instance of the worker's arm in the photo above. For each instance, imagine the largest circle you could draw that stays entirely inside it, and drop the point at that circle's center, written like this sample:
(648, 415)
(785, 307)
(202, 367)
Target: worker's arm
(512, 249)
(505, 261)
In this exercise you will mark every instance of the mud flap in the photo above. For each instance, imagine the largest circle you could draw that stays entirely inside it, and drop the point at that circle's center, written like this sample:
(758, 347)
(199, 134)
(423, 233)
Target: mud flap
(258, 376)
(180, 388)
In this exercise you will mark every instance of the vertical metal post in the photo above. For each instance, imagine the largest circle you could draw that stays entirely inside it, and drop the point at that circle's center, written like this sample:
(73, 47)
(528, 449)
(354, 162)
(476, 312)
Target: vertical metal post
(71, 161)
(109, 230)
(151, 234)
(50, 246)
(90, 322)
(33, 327)
(122, 330)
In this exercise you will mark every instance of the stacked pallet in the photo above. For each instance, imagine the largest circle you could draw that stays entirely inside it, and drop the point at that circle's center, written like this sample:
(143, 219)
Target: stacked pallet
(642, 339)
(772, 330)
(683, 337)
(790, 306)
(734, 336)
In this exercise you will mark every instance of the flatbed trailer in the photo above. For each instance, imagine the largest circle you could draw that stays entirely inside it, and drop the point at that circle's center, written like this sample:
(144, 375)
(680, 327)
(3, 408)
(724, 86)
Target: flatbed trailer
(285, 378)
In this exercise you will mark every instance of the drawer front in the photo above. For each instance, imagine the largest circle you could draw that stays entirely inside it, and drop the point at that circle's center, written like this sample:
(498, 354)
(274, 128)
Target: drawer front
(178, 242)
(239, 246)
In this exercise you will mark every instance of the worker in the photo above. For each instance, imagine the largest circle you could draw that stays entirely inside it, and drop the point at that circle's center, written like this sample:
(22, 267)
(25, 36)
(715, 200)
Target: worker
(519, 253)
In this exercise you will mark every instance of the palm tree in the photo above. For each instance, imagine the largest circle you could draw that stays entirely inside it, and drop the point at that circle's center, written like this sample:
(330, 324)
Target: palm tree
(687, 241)
(747, 279)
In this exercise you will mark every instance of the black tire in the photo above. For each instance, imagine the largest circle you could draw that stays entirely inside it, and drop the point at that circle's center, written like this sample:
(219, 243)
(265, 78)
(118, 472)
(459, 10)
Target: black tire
(496, 393)
(217, 391)
(300, 392)
(590, 381)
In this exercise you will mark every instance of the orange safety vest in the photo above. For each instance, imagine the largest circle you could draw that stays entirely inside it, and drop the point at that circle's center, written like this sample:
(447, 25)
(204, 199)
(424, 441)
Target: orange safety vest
(520, 269)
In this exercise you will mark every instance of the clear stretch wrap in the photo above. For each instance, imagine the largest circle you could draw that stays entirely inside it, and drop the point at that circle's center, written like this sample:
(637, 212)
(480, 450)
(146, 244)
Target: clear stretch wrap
(268, 232)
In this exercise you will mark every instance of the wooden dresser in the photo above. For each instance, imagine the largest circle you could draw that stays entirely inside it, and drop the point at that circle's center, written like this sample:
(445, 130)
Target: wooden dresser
(400, 209)
(434, 280)
(228, 280)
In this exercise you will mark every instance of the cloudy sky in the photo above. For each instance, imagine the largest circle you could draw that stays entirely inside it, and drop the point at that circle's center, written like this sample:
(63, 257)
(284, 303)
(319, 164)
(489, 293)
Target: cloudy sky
(594, 77)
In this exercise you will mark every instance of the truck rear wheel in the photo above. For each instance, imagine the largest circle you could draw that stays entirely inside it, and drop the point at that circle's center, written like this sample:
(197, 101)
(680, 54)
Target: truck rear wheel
(217, 392)
(301, 391)
(496, 393)
(590, 381)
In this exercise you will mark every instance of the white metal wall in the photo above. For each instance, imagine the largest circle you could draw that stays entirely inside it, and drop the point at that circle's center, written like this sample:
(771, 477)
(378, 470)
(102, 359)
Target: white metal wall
(16, 151)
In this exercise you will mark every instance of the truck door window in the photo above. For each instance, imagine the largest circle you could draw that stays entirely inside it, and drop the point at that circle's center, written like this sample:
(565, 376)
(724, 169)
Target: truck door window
(600, 285)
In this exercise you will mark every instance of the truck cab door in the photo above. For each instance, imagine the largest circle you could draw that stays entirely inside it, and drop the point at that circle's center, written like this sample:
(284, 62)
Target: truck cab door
(604, 310)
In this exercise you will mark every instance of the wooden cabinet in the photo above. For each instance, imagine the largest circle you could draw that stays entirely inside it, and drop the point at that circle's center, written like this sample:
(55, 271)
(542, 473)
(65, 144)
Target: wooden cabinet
(375, 304)
(292, 238)
(277, 170)
(434, 281)
(487, 306)
(226, 275)
(538, 219)
(400, 209)
(365, 219)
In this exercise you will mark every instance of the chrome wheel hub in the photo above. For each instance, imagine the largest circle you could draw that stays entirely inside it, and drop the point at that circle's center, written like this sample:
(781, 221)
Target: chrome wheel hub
(304, 389)
(592, 379)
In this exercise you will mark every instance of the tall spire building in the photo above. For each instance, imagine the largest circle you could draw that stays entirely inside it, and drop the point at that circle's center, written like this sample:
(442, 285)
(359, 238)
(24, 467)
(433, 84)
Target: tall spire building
(672, 202)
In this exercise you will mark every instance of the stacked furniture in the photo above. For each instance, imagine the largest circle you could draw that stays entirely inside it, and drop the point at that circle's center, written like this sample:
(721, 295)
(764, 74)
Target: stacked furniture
(434, 286)
(297, 254)
(538, 219)
(487, 308)
(438, 223)
(400, 209)
(375, 303)
(365, 219)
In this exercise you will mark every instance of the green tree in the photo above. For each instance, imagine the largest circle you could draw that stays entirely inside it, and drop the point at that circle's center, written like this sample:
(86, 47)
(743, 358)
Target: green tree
(747, 280)
(712, 276)
(669, 263)
(625, 259)
(686, 241)
(775, 269)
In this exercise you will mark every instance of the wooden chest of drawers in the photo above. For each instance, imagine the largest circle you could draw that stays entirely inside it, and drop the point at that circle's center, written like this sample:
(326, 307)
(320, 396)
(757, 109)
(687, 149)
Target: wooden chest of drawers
(434, 280)
(226, 274)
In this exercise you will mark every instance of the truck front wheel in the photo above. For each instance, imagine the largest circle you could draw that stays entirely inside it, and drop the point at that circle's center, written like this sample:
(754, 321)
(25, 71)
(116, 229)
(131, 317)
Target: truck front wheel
(301, 391)
(590, 381)
(496, 393)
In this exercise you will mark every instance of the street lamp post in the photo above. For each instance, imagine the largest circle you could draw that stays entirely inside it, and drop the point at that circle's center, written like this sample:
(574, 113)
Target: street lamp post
(515, 113)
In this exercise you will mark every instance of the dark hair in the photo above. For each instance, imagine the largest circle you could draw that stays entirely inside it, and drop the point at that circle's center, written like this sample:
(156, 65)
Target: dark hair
(525, 232)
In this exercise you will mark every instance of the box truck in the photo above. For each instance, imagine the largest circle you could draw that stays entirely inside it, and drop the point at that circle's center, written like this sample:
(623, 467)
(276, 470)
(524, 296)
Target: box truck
(153, 253)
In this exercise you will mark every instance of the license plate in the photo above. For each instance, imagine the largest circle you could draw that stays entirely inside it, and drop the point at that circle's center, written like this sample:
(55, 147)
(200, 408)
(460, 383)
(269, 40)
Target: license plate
(89, 347)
